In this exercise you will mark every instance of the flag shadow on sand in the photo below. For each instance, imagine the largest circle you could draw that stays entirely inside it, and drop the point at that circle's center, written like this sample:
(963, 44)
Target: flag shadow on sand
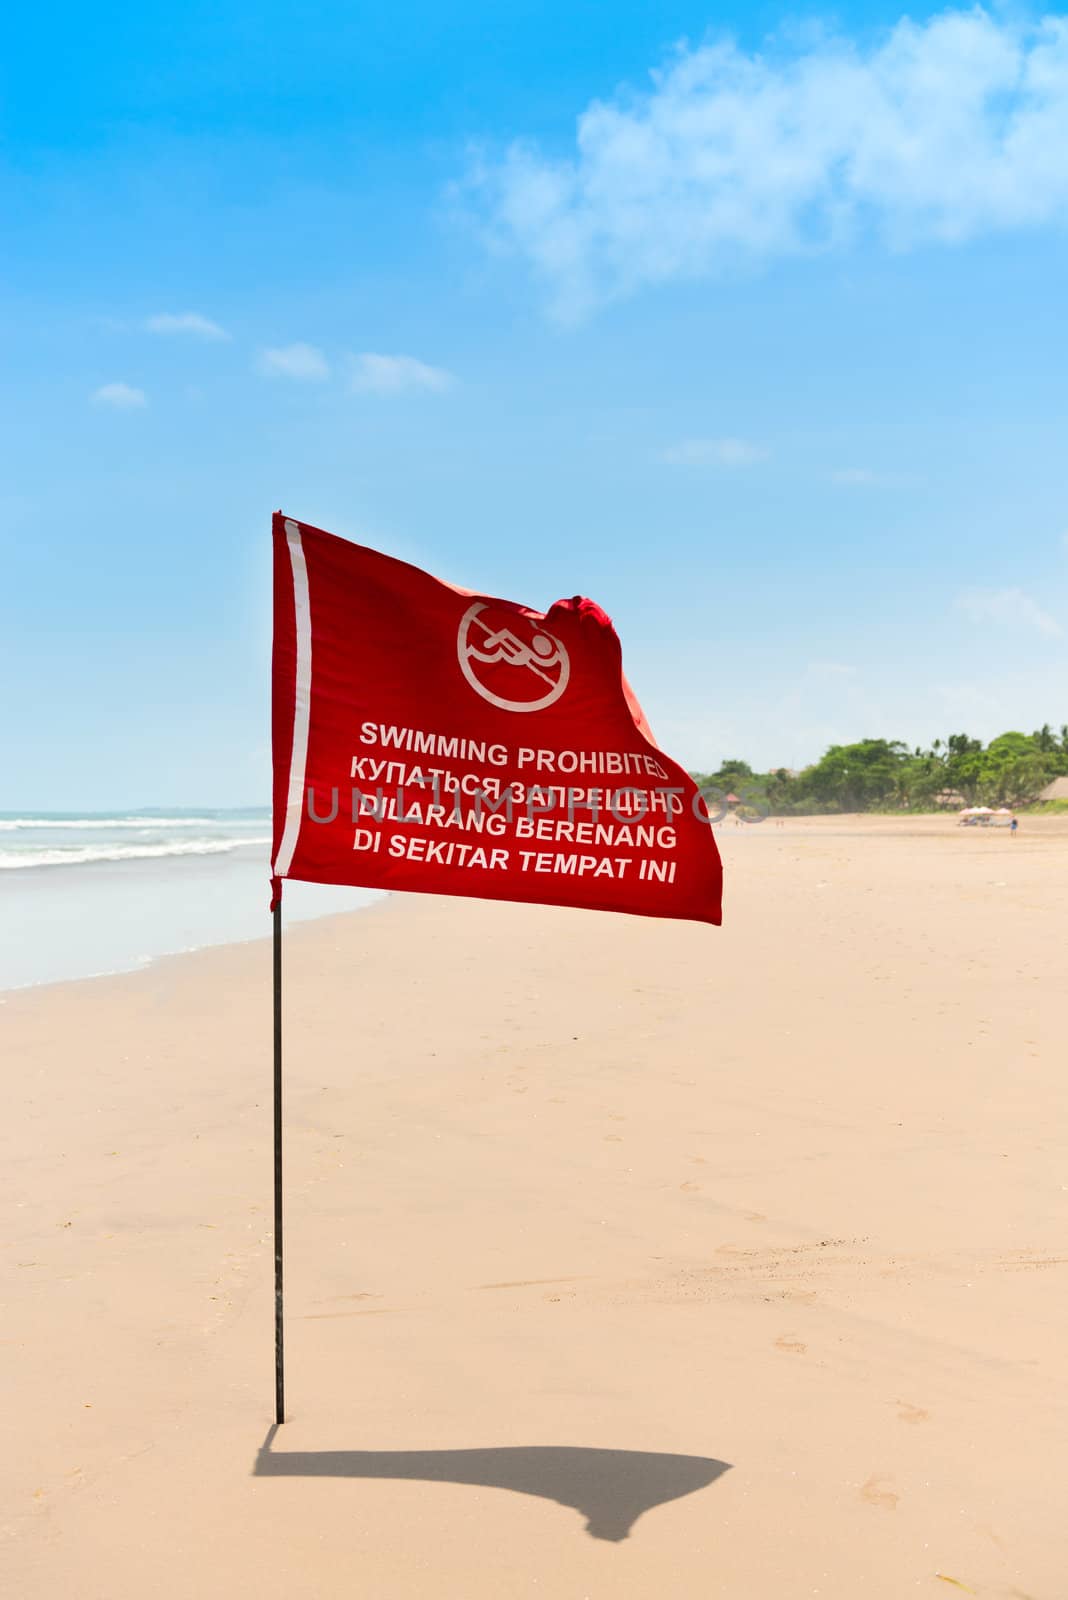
(610, 1488)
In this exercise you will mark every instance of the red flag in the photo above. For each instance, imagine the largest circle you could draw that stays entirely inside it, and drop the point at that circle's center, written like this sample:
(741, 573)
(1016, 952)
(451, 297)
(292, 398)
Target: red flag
(433, 739)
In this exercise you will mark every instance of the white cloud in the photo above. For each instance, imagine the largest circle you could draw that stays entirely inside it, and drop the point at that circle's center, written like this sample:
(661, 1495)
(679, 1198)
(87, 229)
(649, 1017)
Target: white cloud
(1007, 608)
(713, 452)
(123, 396)
(186, 322)
(394, 374)
(937, 131)
(301, 361)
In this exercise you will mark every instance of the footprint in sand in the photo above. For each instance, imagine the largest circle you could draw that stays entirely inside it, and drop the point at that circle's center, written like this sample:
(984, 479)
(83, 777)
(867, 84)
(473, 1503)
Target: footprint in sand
(786, 1341)
(911, 1413)
(877, 1496)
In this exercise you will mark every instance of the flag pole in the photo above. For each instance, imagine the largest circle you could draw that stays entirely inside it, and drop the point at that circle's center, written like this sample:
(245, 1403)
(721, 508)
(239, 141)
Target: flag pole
(279, 1364)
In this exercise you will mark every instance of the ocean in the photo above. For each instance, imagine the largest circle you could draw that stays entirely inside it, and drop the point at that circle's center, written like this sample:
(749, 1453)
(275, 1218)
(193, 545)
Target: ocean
(86, 893)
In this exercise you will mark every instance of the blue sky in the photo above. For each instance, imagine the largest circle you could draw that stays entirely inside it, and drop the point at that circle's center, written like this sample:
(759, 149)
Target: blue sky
(750, 324)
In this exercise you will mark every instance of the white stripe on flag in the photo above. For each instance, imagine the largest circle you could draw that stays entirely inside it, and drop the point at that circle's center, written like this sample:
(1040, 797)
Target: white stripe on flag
(298, 759)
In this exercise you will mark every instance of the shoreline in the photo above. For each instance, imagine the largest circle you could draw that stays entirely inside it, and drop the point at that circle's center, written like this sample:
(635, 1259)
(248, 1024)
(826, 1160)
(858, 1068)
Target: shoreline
(150, 963)
(1050, 826)
(71, 923)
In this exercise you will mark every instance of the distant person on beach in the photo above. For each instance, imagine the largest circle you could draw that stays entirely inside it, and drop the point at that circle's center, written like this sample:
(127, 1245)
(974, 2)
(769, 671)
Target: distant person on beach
(1013, 825)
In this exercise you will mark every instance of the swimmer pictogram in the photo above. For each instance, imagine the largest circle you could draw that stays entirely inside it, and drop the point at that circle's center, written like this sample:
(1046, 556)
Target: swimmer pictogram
(511, 661)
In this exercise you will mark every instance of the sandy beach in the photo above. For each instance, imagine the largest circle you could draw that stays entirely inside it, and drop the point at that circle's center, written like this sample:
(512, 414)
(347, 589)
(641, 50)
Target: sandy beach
(625, 1258)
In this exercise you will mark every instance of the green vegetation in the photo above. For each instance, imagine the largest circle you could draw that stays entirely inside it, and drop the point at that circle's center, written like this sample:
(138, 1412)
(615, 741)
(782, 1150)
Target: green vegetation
(885, 775)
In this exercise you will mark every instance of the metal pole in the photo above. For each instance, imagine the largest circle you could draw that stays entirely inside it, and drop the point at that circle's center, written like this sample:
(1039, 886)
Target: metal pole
(279, 1364)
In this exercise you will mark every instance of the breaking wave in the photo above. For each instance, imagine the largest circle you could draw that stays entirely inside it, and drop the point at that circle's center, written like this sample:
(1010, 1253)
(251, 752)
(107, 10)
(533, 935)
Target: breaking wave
(119, 824)
(84, 855)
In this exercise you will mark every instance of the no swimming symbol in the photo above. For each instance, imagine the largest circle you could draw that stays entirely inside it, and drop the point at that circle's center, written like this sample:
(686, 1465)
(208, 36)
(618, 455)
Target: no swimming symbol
(511, 661)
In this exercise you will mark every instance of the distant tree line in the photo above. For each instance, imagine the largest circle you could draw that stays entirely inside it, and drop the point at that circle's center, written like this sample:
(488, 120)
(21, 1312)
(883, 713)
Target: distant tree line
(886, 775)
